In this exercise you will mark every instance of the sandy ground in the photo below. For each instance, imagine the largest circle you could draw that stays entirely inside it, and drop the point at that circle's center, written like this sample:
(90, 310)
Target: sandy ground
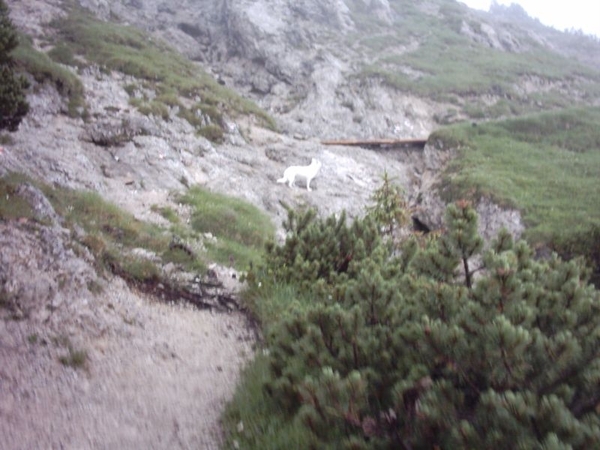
(157, 376)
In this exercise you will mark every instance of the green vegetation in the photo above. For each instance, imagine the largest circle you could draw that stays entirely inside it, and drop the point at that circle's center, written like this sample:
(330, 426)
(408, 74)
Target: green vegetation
(389, 208)
(82, 39)
(258, 420)
(402, 347)
(114, 236)
(13, 206)
(13, 105)
(241, 229)
(6, 139)
(105, 221)
(428, 54)
(151, 108)
(43, 69)
(546, 165)
(77, 359)
(212, 133)
(471, 69)
(168, 213)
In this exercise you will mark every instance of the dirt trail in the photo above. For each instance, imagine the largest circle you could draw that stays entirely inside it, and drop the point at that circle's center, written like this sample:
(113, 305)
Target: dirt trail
(88, 363)
(157, 376)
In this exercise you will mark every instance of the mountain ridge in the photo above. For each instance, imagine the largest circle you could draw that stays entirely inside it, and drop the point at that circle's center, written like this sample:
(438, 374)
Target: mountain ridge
(319, 67)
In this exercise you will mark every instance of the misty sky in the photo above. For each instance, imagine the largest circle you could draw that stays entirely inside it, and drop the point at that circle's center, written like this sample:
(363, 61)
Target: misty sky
(560, 14)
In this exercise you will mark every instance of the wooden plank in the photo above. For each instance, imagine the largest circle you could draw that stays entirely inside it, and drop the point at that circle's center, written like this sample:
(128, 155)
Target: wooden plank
(376, 142)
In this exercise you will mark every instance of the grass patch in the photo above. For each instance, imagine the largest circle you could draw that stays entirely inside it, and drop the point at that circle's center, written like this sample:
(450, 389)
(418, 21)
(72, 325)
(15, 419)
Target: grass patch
(546, 165)
(259, 423)
(63, 54)
(571, 130)
(241, 229)
(13, 206)
(95, 287)
(428, 54)
(137, 269)
(126, 49)
(268, 303)
(151, 108)
(185, 258)
(253, 418)
(106, 221)
(6, 139)
(233, 254)
(112, 233)
(166, 212)
(203, 115)
(228, 217)
(211, 132)
(77, 359)
(472, 70)
(43, 69)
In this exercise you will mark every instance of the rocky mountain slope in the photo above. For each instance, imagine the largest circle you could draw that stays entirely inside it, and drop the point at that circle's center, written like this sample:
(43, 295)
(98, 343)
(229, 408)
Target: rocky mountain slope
(323, 68)
(154, 375)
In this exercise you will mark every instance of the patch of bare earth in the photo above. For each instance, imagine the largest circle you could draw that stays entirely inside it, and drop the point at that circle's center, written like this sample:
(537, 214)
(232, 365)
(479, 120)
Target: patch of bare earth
(108, 368)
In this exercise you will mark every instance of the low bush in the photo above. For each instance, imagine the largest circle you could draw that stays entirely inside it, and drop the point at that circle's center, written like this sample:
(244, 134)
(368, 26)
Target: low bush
(423, 347)
(13, 104)
(546, 165)
(211, 132)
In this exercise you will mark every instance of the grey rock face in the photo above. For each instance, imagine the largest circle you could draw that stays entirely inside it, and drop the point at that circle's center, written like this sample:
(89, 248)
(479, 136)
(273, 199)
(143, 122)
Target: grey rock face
(284, 54)
(38, 269)
(294, 58)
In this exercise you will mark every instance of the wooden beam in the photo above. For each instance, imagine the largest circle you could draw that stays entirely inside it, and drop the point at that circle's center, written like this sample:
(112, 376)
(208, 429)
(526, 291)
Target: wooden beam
(376, 142)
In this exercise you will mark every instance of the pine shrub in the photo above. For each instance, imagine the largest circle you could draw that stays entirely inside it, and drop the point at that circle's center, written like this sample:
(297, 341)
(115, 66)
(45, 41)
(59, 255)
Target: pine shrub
(389, 208)
(441, 345)
(13, 105)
